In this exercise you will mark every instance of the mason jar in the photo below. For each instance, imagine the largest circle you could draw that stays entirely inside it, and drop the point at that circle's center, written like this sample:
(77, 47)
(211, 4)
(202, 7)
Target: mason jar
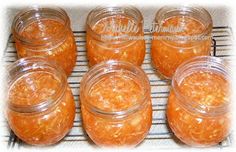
(40, 106)
(43, 31)
(198, 109)
(179, 33)
(116, 104)
(115, 33)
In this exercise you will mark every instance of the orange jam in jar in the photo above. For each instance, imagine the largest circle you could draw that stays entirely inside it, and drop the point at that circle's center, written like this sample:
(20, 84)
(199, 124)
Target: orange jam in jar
(115, 33)
(198, 106)
(40, 107)
(116, 104)
(179, 34)
(45, 32)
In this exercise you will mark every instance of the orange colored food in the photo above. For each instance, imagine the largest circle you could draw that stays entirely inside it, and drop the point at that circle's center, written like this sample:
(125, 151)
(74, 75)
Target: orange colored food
(114, 93)
(40, 127)
(63, 51)
(125, 49)
(168, 54)
(209, 90)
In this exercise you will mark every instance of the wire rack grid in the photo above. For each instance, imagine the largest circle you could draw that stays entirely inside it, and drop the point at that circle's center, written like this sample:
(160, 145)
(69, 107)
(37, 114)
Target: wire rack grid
(159, 135)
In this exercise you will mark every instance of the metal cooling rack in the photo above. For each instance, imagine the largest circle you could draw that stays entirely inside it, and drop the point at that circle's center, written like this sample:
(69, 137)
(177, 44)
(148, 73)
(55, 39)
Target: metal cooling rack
(159, 135)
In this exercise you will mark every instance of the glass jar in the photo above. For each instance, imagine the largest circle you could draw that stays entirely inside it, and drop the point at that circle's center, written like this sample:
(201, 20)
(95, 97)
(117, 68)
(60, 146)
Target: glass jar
(179, 33)
(116, 104)
(45, 32)
(198, 106)
(115, 33)
(40, 107)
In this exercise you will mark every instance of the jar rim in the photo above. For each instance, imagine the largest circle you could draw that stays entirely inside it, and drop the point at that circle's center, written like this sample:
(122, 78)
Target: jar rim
(186, 9)
(112, 9)
(196, 63)
(106, 66)
(36, 12)
(28, 65)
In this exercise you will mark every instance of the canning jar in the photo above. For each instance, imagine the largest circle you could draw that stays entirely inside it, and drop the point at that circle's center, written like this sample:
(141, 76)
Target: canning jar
(115, 33)
(198, 106)
(40, 107)
(179, 33)
(116, 104)
(40, 31)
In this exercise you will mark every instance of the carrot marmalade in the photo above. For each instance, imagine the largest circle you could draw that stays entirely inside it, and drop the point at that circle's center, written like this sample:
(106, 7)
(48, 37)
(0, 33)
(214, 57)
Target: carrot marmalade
(41, 108)
(49, 35)
(116, 111)
(180, 38)
(112, 37)
(197, 108)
